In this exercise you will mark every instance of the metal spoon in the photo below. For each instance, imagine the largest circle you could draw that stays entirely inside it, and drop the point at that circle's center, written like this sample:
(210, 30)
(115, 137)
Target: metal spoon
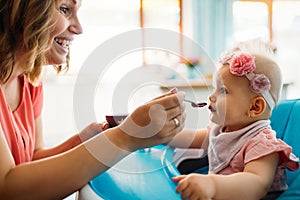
(196, 105)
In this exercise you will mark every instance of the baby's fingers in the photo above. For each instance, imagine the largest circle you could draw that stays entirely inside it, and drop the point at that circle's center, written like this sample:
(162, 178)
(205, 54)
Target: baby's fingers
(178, 178)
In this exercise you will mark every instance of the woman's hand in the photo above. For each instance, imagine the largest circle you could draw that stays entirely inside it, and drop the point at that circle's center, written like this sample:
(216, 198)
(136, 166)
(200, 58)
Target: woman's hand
(153, 123)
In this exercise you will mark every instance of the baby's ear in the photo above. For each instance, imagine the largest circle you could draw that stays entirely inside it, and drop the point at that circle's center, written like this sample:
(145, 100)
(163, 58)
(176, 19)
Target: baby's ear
(258, 107)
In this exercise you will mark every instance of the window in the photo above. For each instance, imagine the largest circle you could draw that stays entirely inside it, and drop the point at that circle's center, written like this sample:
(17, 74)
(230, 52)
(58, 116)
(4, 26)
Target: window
(252, 21)
(103, 19)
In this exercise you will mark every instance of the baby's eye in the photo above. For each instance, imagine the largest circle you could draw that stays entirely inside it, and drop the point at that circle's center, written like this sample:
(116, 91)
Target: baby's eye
(223, 90)
(65, 11)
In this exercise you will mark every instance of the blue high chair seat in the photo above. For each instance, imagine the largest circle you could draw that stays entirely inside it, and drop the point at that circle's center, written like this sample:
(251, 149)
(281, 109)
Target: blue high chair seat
(144, 174)
(285, 121)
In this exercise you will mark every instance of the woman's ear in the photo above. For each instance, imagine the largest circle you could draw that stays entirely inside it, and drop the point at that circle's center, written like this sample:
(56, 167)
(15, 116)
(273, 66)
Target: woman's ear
(258, 107)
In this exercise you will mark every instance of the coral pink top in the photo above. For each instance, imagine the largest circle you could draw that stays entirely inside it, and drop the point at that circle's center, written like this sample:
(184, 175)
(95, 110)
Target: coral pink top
(19, 126)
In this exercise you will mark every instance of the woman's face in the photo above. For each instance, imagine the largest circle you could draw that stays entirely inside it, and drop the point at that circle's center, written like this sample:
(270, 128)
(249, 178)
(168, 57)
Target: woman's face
(67, 25)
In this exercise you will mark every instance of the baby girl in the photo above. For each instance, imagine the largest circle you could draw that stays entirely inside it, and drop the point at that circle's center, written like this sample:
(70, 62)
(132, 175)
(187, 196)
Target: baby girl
(246, 160)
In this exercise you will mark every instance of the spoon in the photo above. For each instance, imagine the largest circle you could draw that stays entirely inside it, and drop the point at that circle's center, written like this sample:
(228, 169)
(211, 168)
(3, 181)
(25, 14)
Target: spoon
(196, 105)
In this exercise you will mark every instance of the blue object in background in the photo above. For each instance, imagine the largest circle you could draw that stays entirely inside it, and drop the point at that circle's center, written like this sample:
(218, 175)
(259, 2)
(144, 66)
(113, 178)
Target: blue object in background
(285, 120)
(144, 174)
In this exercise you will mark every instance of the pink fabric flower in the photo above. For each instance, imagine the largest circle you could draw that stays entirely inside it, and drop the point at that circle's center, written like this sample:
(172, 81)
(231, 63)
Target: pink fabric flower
(242, 64)
(260, 83)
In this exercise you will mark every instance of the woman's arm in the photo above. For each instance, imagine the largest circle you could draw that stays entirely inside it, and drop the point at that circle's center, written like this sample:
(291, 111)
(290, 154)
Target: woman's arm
(55, 177)
(58, 176)
(89, 132)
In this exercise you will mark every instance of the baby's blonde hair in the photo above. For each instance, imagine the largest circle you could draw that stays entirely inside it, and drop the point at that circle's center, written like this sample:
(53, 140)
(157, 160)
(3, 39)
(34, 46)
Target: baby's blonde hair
(265, 62)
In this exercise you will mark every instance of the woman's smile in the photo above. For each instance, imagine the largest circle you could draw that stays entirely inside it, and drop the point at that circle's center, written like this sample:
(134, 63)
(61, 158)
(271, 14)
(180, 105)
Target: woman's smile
(63, 44)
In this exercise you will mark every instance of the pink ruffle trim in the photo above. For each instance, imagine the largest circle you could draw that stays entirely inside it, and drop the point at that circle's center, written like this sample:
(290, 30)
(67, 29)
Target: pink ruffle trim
(265, 144)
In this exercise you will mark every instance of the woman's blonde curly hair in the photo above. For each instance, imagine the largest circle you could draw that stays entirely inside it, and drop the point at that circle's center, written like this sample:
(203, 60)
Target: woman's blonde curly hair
(25, 24)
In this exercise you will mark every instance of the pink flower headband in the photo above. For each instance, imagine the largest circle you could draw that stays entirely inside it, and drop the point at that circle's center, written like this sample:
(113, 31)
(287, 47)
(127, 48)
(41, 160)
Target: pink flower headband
(244, 65)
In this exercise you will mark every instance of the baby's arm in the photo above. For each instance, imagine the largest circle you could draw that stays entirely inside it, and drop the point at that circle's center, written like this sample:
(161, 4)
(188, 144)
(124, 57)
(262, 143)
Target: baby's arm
(253, 183)
(189, 138)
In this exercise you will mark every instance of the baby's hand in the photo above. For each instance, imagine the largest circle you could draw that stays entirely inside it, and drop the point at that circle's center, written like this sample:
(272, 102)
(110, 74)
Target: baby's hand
(195, 186)
(104, 125)
(93, 129)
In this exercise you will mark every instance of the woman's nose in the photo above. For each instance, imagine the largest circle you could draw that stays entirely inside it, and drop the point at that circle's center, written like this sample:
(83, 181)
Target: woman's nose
(76, 27)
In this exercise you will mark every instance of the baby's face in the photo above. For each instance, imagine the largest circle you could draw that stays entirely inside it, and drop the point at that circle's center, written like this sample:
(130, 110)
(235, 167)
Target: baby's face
(230, 101)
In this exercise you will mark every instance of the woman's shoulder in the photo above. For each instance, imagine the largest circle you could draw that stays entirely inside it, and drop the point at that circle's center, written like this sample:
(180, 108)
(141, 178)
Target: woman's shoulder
(34, 89)
(33, 94)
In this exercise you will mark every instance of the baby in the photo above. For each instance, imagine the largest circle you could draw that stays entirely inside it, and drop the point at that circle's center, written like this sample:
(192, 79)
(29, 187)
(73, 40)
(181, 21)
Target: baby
(246, 160)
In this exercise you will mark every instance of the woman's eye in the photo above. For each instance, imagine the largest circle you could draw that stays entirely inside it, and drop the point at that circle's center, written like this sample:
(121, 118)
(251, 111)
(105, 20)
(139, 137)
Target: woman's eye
(65, 11)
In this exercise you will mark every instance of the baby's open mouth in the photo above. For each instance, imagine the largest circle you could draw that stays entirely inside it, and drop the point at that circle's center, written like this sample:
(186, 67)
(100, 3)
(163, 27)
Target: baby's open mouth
(211, 109)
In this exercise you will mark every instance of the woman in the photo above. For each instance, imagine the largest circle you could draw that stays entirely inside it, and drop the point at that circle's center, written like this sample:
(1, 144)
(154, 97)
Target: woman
(35, 33)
